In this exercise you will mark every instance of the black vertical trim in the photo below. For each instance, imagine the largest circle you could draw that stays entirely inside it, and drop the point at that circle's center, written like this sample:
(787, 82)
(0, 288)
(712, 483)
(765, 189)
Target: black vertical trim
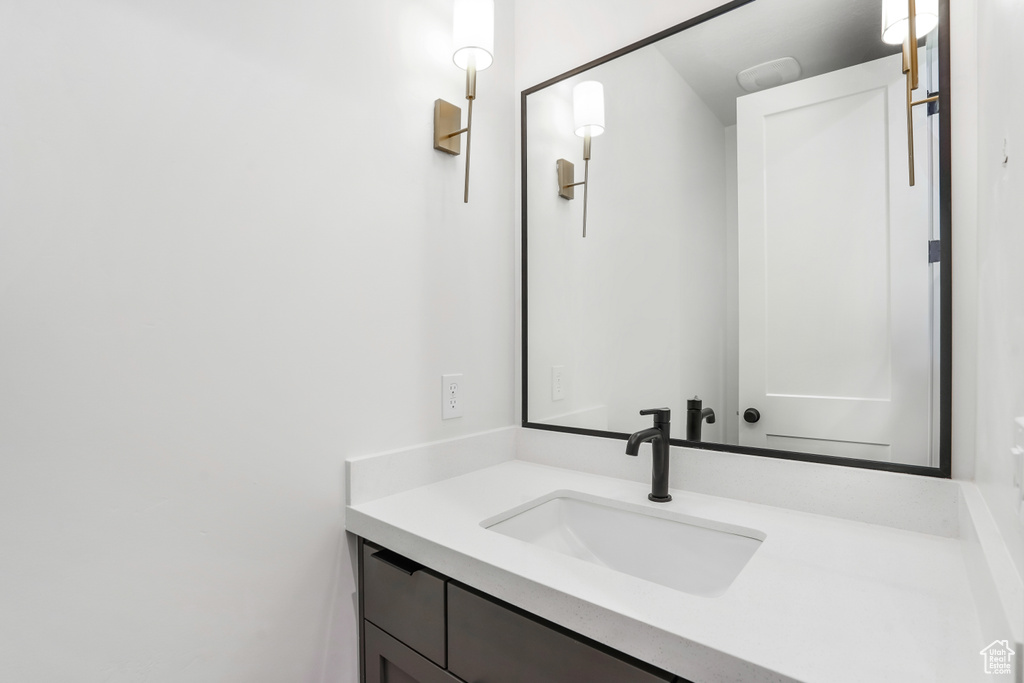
(362, 622)
(946, 235)
(522, 257)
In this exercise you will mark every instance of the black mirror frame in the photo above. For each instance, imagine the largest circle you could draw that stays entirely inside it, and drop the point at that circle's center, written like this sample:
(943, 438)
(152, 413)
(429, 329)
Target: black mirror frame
(944, 470)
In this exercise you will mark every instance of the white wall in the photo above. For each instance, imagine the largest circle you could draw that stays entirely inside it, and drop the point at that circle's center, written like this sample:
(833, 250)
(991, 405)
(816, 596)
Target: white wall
(666, 222)
(229, 257)
(1000, 328)
(628, 309)
(566, 271)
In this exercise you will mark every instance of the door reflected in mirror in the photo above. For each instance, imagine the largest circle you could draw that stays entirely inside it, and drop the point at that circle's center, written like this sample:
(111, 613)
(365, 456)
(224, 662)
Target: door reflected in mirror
(752, 240)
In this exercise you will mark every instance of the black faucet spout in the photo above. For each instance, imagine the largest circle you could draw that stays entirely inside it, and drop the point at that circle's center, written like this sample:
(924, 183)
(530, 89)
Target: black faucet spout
(659, 436)
(695, 418)
(634, 440)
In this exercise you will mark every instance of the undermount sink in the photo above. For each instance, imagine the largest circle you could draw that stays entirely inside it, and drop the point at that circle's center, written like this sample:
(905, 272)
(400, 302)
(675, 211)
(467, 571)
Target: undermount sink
(697, 556)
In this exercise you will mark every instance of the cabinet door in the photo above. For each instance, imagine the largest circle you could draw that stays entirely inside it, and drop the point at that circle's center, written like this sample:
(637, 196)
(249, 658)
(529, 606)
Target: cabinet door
(388, 661)
(835, 335)
(491, 642)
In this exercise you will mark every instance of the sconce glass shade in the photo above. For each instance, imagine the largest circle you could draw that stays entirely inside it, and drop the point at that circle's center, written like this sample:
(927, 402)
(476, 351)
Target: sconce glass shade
(588, 108)
(895, 23)
(473, 33)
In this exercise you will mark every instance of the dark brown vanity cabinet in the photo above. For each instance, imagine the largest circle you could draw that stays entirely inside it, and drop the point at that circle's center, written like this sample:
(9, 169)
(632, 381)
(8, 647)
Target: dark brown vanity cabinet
(420, 627)
(405, 600)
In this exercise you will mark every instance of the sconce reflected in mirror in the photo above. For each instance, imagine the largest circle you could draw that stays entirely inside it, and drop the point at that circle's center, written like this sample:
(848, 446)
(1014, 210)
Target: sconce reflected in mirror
(473, 51)
(906, 22)
(896, 19)
(588, 120)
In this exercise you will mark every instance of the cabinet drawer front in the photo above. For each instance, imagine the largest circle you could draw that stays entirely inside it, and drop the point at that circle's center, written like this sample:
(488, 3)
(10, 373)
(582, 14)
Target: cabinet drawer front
(491, 642)
(388, 661)
(406, 600)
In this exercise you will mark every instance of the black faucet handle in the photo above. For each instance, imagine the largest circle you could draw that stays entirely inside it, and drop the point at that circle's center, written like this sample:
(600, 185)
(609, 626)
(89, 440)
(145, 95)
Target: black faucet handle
(660, 414)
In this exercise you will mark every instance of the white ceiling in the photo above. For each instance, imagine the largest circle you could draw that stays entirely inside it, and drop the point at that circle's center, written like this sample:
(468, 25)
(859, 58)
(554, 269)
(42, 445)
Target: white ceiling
(823, 35)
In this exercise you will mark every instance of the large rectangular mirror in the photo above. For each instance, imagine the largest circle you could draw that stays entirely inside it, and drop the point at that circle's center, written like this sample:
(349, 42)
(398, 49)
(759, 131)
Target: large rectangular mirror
(767, 228)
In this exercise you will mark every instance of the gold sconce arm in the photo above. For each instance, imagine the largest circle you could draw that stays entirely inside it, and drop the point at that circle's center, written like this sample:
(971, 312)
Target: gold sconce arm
(910, 44)
(910, 68)
(448, 118)
(567, 177)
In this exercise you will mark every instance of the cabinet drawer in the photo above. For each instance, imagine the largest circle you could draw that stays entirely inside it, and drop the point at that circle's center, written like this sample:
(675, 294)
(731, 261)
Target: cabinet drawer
(493, 642)
(406, 600)
(388, 661)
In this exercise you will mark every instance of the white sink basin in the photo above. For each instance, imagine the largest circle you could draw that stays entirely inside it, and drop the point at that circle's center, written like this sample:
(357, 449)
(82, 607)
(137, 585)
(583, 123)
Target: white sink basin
(694, 555)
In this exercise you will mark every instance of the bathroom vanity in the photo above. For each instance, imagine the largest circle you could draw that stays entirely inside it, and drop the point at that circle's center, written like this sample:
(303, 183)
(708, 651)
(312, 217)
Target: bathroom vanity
(820, 599)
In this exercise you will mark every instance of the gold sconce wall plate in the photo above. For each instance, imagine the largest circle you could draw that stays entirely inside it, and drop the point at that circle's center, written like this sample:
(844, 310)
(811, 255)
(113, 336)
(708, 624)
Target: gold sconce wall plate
(447, 126)
(566, 179)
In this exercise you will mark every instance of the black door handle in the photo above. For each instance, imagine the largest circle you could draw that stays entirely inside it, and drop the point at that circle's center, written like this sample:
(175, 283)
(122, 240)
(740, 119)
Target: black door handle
(751, 415)
(396, 561)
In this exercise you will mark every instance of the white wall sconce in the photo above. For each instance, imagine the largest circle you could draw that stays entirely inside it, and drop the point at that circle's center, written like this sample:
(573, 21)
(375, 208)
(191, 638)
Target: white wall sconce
(473, 43)
(896, 19)
(588, 119)
(906, 22)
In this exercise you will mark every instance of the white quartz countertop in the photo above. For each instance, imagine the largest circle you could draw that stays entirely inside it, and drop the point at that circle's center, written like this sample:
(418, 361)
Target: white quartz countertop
(823, 600)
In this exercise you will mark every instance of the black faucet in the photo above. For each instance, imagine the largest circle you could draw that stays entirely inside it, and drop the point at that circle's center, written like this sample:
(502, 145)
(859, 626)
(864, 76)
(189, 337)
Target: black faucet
(658, 435)
(695, 417)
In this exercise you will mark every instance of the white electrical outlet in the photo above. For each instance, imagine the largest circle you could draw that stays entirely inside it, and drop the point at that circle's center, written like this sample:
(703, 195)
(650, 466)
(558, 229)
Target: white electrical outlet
(451, 396)
(557, 382)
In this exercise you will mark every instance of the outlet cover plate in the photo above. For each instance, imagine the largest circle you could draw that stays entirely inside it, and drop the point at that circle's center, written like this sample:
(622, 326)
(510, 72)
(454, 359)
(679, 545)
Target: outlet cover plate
(557, 382)
(451, 396)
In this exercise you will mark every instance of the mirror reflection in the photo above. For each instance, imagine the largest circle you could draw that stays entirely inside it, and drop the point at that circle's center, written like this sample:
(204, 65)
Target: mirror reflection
(752, 240)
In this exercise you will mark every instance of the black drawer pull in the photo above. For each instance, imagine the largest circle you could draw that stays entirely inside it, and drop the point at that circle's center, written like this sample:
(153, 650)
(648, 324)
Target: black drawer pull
(393, 559)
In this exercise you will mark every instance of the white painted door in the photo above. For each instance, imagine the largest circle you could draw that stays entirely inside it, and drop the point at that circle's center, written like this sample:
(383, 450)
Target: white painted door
(835, 348)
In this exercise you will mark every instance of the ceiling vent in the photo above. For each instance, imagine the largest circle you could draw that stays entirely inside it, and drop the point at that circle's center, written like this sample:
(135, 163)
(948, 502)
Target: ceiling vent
(769, 74)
